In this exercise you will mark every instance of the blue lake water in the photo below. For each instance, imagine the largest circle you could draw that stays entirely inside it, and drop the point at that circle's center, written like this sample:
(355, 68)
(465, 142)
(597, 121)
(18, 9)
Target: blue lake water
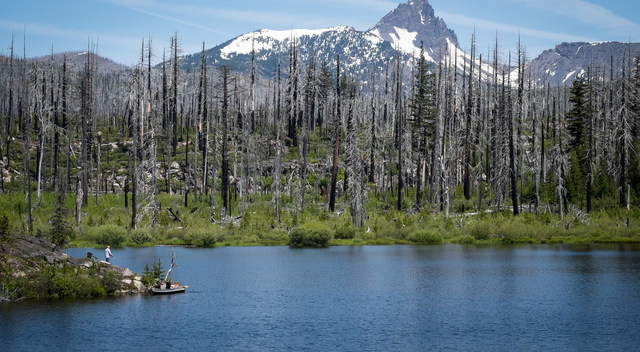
(371, 298)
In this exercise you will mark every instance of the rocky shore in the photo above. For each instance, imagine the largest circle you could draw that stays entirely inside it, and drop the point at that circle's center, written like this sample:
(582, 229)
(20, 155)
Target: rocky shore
(31, 267)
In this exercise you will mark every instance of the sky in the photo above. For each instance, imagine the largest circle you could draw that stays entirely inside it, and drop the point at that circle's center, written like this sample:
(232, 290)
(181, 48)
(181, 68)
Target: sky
(116, 28)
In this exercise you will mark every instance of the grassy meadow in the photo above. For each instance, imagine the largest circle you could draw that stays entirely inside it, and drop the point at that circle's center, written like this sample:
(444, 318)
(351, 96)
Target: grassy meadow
(107, 222)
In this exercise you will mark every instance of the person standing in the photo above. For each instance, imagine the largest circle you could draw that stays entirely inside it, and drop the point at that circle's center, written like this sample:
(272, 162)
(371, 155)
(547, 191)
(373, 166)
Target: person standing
(107, 253)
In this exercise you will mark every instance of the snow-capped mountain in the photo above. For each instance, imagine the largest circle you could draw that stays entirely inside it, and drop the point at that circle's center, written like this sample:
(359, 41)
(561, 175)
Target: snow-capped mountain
(402, 29)
(399, 33)
(358, 51)
(561, 65)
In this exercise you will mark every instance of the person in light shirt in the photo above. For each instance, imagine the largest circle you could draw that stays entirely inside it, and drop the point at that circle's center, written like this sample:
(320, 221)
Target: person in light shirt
(107, 253)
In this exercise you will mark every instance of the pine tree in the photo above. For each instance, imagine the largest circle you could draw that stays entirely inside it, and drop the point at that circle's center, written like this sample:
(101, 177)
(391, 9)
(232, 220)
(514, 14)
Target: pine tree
(577, 116)
(61, 230)
(422, 119)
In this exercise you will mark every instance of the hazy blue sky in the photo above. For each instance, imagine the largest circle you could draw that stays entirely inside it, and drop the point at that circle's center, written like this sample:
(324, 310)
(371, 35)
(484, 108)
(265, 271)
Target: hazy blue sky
(118, 26)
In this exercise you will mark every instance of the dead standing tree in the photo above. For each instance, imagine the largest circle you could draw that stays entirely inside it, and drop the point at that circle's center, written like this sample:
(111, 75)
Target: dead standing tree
(336, 141)
(224, 174)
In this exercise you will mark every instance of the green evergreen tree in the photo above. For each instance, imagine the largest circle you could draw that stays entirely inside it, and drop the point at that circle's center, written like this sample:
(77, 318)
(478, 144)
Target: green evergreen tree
(577, 119)
(577, 116)
(60, 231)
(423, 115)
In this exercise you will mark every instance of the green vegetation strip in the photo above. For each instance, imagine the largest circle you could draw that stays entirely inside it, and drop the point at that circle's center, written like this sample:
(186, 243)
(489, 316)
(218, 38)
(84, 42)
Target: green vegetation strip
(107, 224)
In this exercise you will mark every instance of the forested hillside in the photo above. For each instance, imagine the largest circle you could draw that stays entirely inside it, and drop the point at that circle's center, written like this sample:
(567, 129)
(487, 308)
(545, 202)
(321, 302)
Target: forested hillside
(312, 143)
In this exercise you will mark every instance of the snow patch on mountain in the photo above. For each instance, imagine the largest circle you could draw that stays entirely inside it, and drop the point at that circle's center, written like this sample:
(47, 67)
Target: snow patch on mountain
(568, 76)
(404, 40)
(267, 39)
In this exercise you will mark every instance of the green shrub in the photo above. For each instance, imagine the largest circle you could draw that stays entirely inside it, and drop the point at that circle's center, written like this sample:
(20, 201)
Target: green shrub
(110, 282)
(275, 237)
(465, 239)
(62, 283)
(202, 238)
(426, 236)
(345, 231)
(312, 234)
(59, 282)
(177, 235)
(480, 230)
(164, 219)
(140, 236)
(323, 214)
(108, 235)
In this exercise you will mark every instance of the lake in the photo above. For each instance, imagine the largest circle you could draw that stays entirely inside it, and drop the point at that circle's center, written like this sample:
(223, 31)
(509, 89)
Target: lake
(369, 298)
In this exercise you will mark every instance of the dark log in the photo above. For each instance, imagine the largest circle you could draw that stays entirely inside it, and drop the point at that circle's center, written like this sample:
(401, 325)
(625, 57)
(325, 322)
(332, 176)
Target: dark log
(175, 217)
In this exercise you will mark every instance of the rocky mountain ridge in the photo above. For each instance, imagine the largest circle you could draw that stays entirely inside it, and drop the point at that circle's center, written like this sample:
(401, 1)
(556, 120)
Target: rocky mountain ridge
(562, 64)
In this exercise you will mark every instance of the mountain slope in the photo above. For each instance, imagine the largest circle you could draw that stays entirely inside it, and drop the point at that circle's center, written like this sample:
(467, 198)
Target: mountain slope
(561, 65)
(76, 61)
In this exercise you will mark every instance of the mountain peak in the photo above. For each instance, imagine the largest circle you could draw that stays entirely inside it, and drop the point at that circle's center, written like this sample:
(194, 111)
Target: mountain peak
(413, 22)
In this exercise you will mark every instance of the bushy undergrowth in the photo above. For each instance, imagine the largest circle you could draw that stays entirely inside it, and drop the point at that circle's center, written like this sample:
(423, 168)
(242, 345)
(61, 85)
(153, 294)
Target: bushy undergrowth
(141, 236)
(426, 236)
(480, 230)
(345, 231)
(113, 235)
(202, 237)
(312, 234)
(61, 282)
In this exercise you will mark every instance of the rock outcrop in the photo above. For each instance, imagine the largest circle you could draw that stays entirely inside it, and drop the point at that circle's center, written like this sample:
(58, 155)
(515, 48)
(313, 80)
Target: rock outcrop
(24, 257)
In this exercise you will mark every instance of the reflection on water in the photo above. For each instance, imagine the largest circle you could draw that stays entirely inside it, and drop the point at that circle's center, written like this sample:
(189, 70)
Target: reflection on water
(387, 298)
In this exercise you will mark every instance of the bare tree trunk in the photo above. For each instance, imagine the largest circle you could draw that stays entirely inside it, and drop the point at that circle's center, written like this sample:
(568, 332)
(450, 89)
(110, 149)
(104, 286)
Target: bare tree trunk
(372, 165)
(78, 201)
(224, 188)
(99, 167)
(27, 145)
(65, 124)
(512, 156)
(590, 145)
(469, 119)
(277, 174)
(134, 156)
(399, 132)
(204, 117)
(174, 100)
(86, 118)
(56, 139)
(10, 117)
(336, 142)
